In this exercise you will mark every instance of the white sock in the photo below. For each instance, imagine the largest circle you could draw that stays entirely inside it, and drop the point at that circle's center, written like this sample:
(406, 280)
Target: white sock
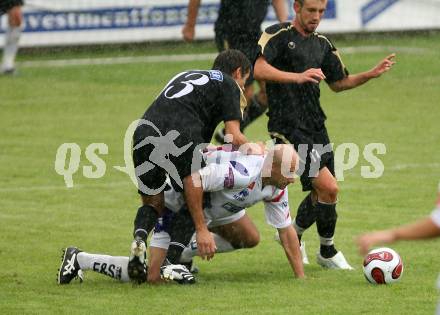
(112, 266)
(326, 241)
(12, 37)
(223, 246)
(190, 251)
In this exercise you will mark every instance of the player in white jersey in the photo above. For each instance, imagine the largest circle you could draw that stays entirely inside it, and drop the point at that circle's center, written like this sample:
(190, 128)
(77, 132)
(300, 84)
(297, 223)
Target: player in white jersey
(234, 181)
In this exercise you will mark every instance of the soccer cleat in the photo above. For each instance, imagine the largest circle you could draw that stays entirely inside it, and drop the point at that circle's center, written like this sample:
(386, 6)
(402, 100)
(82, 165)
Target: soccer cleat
(338, 261)
(302, 248)
(178, 273)
(191, 267)
(137, 263)
(69, 268)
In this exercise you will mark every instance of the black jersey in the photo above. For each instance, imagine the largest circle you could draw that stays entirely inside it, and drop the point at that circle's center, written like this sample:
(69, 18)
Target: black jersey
(241, 16)
(194, 103)
(297, 106)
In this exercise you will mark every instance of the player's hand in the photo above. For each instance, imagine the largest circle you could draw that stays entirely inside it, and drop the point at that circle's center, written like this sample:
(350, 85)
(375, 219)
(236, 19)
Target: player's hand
(188, 33)
(366, 241)
(313, 75)
(383, 66)
(205, 244)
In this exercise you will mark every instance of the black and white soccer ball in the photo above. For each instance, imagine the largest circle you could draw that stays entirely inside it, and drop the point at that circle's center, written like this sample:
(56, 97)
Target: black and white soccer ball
(383, 266)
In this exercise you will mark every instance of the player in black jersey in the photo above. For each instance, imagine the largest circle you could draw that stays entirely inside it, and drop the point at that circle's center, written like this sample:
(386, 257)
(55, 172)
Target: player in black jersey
(179, 123)
(12, 35)
(238, 26)
(293, 60)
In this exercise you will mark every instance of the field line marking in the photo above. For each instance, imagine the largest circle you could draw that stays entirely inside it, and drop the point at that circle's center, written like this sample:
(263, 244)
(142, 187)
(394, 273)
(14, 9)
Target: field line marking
(191, 57)
(62, 187)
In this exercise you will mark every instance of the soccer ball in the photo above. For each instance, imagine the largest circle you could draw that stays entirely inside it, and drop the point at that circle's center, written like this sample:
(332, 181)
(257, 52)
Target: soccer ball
(382, 266)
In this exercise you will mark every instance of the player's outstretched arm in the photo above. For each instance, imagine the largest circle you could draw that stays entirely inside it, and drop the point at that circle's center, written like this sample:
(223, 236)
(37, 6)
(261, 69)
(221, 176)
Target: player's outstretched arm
(354, 80)
(266, 72)
(188, 30)
(156, 258)
(289, 241)
(425, 228)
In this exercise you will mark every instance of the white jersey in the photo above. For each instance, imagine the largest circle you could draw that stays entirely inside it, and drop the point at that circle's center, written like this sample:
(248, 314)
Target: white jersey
(234, 182)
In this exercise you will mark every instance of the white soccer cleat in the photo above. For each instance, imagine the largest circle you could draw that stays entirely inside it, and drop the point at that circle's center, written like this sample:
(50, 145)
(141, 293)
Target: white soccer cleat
(338, 261)
(302, 247)
(178, 273)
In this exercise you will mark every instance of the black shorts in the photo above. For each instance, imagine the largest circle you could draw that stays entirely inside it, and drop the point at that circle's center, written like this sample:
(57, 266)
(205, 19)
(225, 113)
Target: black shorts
(153, 162)
(314, 150)
(6, 5)
(247, 43)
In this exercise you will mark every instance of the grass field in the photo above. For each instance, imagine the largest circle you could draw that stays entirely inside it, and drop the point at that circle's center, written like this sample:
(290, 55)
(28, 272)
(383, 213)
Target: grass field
(43, 107)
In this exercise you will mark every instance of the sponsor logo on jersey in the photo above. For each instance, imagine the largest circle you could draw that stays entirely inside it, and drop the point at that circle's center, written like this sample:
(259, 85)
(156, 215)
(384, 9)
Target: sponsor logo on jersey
(240, 168)
(216, 75)
(241, 195)
(231, 207)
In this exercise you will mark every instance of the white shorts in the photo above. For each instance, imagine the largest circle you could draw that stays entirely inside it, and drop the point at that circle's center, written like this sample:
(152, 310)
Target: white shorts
(216, 218)
(160, 240)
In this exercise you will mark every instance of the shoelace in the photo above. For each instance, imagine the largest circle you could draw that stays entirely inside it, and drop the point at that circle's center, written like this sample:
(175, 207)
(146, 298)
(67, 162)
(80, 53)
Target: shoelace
(70, 267)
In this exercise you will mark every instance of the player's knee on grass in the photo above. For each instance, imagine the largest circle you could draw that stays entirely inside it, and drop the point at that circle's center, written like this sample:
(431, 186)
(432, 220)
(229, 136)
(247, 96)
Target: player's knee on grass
(251, 239)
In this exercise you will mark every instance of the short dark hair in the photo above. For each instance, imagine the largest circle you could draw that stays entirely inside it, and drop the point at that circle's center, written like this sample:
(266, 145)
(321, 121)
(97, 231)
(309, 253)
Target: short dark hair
(230, 60)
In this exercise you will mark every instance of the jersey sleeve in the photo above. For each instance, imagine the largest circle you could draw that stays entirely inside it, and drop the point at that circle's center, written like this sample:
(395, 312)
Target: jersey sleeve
(268, 44)
(230, 99)
(277, 209)
(332, 65)
(231, 175)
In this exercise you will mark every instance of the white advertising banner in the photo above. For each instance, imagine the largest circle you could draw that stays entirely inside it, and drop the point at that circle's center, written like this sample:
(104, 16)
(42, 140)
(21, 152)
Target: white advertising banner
(67, 22)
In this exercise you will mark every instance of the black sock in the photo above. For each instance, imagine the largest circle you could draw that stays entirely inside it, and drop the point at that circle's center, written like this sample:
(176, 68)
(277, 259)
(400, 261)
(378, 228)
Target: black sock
(326, 224)
(327, 251)
(306, 214)
(144, 222)
(253, 110)
(174, 252)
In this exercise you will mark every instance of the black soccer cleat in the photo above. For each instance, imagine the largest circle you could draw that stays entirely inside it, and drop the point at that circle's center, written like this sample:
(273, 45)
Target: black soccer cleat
(69, 268)
(137, 263)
